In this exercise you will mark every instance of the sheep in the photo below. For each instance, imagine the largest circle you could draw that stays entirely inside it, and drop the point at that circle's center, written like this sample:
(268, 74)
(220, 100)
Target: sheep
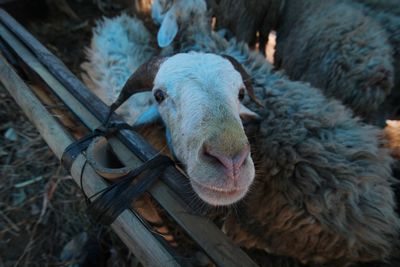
(330, 44)
(217, 158)
(391, 6)
(217, 45)
(247, 18)
(387, 14)
(348, 55)
(322, 190)
(170, 14)
(106, 78)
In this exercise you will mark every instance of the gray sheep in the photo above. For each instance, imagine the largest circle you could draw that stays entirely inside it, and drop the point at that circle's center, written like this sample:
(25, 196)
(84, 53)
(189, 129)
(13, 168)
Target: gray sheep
(335, 47)
(322, 192)
(331, 44)
(247, 18)
(387, 14)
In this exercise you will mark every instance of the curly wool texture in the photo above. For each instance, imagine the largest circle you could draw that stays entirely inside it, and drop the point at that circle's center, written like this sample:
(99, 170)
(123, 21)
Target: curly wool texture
(324, 180)
(245, 18)
(331, 44)
(323, 186)
(390, 6)
(338, 49)
(387, 14)
(118, 47)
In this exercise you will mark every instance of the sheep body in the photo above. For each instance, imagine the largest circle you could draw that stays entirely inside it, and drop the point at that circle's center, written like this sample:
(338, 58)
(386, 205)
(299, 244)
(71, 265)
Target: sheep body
(246, 18)
(387, 14)
(390, 6)
(323, 175)
(330, 44)
(118, 47)
(338, 49)
(323, 192)
(323, 172)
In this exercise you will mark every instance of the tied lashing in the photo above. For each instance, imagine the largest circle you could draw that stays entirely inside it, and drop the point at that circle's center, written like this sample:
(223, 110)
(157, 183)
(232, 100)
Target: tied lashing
(118, 196)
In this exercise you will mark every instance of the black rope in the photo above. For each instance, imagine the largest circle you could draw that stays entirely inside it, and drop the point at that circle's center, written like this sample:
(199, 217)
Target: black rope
(87, 200)
(72, 151)
(114, 199)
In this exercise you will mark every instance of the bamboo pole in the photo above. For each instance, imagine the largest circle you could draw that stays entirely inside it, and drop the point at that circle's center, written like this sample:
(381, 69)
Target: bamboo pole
(50, 68)
(128, 227)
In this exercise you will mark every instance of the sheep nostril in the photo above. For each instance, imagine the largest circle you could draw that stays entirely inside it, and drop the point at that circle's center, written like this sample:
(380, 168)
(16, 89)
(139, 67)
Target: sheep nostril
(215, 156)
(231, 164)
(240, 159)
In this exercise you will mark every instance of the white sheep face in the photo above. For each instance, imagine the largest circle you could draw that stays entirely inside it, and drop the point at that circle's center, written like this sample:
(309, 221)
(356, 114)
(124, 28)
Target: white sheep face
(198, 100)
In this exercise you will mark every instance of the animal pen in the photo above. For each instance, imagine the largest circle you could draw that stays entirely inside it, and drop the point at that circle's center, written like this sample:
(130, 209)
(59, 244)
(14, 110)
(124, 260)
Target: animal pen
(63, 110)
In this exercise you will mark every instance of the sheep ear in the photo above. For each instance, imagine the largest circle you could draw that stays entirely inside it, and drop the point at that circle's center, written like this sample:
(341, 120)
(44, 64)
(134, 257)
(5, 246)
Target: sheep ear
(168, 29)
(151, 115)
(248, 115)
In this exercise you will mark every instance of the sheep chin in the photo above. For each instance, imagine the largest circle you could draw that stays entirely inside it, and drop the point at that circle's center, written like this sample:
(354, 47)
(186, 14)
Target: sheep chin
(216, 196)
(214, 186)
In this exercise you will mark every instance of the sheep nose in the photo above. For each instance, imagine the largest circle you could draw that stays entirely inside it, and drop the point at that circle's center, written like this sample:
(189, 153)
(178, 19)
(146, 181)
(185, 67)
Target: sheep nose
(231, 164)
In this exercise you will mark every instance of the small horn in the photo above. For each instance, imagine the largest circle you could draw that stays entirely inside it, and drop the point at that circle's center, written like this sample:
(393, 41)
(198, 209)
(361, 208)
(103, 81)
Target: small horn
(246, 79)
(141, 80)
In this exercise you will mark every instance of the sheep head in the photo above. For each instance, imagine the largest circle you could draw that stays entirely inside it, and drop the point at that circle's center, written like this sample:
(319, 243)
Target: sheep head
(171, 14)
(198, 100)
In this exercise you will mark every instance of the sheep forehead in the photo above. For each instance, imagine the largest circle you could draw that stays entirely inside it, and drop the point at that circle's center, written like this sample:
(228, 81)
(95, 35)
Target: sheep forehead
(206, 73)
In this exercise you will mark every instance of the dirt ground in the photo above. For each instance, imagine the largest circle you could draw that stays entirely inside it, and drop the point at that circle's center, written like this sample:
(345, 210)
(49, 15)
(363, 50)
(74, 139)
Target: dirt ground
(42, 211)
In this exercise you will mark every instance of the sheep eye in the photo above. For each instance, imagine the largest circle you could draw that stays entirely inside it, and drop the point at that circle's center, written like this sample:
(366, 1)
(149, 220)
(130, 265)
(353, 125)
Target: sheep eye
(159, 95)
(241, 94)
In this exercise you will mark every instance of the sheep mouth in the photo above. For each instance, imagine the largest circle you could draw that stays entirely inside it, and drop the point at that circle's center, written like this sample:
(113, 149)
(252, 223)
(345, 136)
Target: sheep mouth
(218, 196)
